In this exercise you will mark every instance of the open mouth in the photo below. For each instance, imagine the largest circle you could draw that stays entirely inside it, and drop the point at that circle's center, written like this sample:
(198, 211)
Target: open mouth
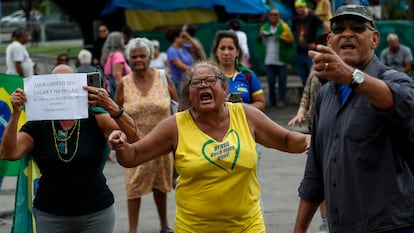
(347, 46)
(205, 97)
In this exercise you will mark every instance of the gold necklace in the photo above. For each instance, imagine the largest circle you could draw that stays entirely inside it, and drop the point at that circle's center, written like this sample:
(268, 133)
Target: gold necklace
(66, 137)
(56, 139)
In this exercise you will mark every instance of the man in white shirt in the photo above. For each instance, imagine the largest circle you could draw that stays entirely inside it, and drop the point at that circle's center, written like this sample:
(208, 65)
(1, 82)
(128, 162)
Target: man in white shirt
(18, 61)
(234, 24)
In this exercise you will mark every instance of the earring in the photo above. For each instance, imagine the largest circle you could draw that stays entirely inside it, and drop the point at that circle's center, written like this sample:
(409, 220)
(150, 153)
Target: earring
(237, 62)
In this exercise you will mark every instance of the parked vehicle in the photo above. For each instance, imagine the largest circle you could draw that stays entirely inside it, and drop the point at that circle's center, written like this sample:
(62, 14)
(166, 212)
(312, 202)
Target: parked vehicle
(18, 18)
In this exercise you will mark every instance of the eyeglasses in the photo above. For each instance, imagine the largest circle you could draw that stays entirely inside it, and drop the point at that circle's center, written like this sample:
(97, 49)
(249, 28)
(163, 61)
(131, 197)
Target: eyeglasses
(337, 28)
(274, 14)
(63, 60)
(197, 82)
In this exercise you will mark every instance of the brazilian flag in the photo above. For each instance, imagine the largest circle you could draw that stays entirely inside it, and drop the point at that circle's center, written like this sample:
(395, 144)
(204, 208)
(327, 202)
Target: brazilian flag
(26, 168)
(27, 183)
(8, 83)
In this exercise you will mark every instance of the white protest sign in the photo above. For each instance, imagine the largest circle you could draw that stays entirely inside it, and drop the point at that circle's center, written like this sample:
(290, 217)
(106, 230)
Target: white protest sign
(56, 97)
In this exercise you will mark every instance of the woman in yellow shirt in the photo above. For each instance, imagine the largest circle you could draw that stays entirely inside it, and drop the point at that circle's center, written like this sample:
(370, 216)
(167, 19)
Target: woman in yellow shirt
(214, 143)
(323, 10)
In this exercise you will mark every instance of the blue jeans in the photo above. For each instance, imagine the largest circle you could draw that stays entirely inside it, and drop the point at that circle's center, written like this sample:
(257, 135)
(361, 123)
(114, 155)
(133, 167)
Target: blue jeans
(177, 84)
(274, 71)
(304, 64)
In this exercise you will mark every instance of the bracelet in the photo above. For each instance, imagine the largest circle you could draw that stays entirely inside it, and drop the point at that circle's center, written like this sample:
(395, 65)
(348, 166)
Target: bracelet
(119, 114)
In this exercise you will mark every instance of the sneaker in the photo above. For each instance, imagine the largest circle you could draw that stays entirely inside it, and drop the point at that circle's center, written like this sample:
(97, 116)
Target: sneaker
(166, 230)
(323, 228)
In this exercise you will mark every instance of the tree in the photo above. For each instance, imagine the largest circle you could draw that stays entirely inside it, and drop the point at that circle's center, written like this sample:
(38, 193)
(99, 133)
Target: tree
(84, 12)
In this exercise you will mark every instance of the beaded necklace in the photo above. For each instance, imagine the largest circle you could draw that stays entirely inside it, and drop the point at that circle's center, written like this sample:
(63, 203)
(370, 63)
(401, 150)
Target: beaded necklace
(65, 140)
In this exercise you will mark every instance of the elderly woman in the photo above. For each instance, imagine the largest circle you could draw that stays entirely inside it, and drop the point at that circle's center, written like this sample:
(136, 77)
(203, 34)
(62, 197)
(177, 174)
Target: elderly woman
(214, 143)
(114, 62)
(72, 195)
(145, 96)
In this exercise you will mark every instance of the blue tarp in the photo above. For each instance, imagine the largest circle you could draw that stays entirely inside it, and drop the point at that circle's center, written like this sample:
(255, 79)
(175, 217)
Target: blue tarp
(231, 6)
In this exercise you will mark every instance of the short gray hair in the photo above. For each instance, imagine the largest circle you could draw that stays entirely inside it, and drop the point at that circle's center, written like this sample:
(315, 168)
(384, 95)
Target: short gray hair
(392, 36)
(85, 57)
(140, 42)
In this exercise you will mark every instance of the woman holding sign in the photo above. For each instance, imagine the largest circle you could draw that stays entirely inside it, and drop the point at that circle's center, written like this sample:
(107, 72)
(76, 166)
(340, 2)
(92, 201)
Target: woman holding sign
(72, 195)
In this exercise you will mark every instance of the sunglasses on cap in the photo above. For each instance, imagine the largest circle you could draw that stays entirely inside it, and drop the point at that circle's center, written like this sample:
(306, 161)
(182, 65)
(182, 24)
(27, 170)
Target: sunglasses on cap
(338, 28)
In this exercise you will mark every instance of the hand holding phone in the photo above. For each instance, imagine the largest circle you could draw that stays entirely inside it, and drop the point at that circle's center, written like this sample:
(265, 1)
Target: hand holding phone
(94, 79)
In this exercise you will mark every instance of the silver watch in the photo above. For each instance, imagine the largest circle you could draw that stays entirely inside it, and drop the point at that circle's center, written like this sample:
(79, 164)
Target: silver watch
(358, 78)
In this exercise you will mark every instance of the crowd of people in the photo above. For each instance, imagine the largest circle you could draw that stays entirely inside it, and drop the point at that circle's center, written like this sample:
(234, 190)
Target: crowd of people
(356, 106)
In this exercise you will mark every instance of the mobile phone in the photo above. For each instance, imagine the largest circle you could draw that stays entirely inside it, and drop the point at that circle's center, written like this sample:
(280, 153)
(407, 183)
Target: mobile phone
(235, 97)
(94, 79)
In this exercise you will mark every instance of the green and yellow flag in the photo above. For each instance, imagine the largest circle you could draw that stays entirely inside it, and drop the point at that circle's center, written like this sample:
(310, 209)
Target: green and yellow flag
(8, 83)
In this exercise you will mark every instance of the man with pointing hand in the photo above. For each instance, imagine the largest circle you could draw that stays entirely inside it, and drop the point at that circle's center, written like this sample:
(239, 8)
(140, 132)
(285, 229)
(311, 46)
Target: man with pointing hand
(355, 160)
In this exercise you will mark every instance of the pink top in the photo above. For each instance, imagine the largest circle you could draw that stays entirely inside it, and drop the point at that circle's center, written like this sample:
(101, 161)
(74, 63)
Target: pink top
(115, 58)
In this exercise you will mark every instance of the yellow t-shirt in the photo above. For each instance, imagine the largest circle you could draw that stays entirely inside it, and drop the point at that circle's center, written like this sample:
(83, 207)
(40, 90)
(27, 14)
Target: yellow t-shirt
(218, 189)
(319, 9)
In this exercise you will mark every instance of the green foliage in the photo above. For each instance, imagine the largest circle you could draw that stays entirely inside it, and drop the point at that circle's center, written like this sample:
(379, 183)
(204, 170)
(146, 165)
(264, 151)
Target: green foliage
(393, 10)
(42, 6)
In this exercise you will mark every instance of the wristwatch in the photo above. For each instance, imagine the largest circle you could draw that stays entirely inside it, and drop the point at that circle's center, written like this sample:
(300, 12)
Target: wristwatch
(357, 78)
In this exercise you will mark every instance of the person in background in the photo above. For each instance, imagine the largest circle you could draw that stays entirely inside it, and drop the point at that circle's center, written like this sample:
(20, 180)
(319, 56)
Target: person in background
(234, 25)
(198, 53)
(396, 55)
(85, 65)
(85, 62)
(98, 44)
(35, 27)
(72, 195)
(145, 96)
(305, 114)
(159, 60)
(278, 39)
(323, 10)
(18, 60)
(115, 64)
(179, 54)
(305, 28)
(307, 103)
(362, 116)
(128, 34)
(376, 9)
(217, 168)
(62, 59)
(227, 54)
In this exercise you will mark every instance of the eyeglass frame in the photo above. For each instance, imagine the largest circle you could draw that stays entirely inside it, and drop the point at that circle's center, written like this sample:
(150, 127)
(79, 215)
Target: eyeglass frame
(203, 80)
(352, 27)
